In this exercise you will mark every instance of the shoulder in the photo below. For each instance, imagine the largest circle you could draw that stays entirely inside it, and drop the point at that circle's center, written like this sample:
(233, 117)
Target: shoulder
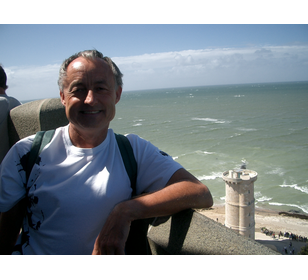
(142, 147)
(155, 167)
(21, 147)
(134, 138)
(13, 102)
(8, 103)
(138, 143)
(4, 102)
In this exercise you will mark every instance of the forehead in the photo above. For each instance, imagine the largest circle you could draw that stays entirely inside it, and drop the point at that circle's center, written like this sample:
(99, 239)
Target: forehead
(82, 66)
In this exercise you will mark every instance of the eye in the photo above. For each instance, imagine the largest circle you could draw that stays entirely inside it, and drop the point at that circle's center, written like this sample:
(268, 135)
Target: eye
(100, 89)
(78, 90)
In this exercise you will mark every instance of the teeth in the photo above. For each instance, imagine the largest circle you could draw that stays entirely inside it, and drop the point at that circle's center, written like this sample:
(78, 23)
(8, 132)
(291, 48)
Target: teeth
(91, 112)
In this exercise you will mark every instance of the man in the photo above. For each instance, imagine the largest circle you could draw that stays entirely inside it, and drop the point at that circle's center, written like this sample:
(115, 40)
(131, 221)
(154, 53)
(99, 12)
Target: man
(7, 103)
(79, 197)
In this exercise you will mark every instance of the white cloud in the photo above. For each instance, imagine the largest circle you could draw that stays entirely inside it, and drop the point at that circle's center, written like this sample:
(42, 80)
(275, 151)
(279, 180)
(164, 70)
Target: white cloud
(177, 69)
(33, 82)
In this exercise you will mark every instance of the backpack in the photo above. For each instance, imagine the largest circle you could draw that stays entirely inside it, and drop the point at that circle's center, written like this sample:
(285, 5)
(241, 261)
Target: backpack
(137, 243)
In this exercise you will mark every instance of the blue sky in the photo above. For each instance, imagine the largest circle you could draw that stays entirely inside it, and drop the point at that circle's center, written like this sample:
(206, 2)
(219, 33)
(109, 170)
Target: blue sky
(156, 55)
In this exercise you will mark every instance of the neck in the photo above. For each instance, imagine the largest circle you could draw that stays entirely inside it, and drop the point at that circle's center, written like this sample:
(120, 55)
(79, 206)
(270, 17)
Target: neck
(2, 90)
(86, 139)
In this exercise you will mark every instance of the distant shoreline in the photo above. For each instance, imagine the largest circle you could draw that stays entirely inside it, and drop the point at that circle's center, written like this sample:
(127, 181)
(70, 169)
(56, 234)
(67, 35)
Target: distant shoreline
(270, 219)
(273, 221)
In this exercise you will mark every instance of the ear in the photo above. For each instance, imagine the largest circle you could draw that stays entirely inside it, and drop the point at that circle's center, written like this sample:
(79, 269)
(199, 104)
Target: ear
(62, 98)
(118, 94)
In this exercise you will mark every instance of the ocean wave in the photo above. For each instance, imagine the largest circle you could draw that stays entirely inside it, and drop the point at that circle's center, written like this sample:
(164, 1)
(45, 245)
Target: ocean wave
(246, 129)
(278, 170)
(210, 120)
(257, 194)
(213, 176)
(198, 152)
(296, 187)
(239, 95)
(261, 198)
(204, 152)
(181, 155)
(235, 135)
(303, 207)
(137, 124)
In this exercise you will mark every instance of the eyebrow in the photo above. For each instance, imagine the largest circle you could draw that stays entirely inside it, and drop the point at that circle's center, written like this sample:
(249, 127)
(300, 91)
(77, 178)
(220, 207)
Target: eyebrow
(101, 82)
(80, 83)
(74, 84)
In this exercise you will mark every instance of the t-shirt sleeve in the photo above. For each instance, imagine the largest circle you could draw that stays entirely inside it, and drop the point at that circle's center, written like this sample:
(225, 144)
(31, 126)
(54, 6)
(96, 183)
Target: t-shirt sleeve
(154, 167)
(13, 176)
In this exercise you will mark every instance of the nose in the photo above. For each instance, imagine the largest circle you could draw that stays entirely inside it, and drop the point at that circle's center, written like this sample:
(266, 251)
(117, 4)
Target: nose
(90, 98)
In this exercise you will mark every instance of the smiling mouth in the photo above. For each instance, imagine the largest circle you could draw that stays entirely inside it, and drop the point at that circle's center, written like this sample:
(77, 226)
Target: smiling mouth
(90, 112)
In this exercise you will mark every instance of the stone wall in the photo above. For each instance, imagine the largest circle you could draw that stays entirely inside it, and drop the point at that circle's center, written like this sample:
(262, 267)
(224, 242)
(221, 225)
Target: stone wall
(29, 118)
(191, 233)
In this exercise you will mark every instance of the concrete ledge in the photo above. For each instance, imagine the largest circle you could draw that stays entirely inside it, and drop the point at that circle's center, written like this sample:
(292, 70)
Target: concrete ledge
(191, 233)
(29, 118)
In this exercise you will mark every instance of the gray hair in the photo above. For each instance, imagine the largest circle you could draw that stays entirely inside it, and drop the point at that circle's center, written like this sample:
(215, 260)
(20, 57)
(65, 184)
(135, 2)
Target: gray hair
(90, 54)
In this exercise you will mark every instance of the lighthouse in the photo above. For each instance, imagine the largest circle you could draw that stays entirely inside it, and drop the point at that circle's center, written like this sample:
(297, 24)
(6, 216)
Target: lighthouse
(240, 202)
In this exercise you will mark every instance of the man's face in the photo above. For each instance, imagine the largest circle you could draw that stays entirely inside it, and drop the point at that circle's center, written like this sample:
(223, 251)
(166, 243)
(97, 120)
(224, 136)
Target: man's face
(89, 95)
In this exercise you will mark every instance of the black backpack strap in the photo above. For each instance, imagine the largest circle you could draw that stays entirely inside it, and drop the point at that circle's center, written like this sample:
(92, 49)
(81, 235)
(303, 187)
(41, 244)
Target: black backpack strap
(129, 160)
(137, 241)
(41, 139)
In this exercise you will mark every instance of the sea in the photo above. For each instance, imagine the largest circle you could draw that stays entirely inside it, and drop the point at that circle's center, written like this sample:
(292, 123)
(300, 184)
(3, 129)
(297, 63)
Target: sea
(212, 129)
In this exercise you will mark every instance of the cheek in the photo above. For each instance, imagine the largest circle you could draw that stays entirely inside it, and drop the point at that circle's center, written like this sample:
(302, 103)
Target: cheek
(70, 104)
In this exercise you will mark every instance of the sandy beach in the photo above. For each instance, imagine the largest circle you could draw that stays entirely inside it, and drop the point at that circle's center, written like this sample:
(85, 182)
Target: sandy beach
(273, 221)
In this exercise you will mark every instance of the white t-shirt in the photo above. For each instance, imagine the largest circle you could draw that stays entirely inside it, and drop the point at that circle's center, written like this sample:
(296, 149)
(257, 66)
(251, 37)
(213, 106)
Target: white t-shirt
(72, 190)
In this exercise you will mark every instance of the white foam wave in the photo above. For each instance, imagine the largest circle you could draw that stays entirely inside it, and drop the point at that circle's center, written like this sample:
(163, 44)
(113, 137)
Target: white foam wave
(246, 129)
(296, 187)
(209, 120)
(257, 194)
(213, 176)
(303, 207)
(239, 95)
(236, 134)
(198, 152)
(204, 152)
(278, 170)
(137, 124)
(263, 198)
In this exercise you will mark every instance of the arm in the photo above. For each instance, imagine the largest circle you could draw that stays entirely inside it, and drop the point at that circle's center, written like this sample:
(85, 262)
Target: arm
(183, 191)
(10, 224)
